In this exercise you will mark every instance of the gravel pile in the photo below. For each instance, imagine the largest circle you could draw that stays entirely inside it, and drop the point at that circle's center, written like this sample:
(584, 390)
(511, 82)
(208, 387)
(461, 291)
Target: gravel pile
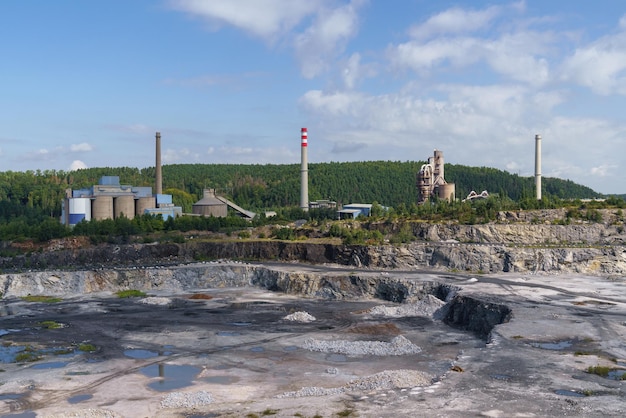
(300, 316)
(388, 379)
(425, 307)
(152, 300)
(186, 400)
(398, 346)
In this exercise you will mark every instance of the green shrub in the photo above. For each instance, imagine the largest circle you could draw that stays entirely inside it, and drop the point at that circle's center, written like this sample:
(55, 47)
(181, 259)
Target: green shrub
(41, 298)
(131, 293)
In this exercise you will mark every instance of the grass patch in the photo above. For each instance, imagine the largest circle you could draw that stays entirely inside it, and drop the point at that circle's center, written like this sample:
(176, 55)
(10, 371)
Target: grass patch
(252, 415)
(517, 337)
(41, 298)
(87, 348)
(50, 325)
(347, 413)
(132, 293)
(599, 370)
(27, 356)
(269, 411)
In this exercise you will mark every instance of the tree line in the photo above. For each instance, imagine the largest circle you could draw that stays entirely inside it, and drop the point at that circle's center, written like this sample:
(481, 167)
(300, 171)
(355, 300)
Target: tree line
(30, 202)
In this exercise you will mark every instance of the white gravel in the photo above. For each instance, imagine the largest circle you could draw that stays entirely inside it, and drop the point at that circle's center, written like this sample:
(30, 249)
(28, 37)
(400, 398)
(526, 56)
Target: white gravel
(300, 316)
(425, 307)
(398, 346)
(152, 300)
(388, 379)
(186, 399)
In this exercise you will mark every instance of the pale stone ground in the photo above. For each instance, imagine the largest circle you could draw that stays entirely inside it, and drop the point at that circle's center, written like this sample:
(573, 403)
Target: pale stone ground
(237, 355)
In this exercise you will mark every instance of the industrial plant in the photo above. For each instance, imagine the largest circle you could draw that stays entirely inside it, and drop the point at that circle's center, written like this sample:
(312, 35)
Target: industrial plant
(110, 200)
(431, 181)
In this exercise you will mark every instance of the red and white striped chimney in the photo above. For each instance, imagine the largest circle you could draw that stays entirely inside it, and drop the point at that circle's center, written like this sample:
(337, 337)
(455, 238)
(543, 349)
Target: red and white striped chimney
(304, 170)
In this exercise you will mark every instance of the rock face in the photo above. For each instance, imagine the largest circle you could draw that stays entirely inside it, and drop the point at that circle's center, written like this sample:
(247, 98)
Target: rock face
(509, 246)
(462, 311)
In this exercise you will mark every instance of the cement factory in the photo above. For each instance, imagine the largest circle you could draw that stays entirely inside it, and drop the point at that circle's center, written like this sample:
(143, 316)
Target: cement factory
(110, 200)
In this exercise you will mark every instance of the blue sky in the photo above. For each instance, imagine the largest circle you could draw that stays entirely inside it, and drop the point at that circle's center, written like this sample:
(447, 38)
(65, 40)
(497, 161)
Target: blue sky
(87, 84)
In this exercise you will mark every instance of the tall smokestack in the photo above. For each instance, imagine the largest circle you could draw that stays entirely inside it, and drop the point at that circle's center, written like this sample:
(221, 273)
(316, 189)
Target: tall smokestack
(158, 176)
(304, 171)
(538, 165)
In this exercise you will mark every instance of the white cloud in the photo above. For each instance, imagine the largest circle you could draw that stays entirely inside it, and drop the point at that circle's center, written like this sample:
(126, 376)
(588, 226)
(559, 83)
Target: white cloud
(268, 19)
(181, 155)
(77, 165)
(603, 170)
(82, 147)
(326, 38)
(454, 21)
(600, 66)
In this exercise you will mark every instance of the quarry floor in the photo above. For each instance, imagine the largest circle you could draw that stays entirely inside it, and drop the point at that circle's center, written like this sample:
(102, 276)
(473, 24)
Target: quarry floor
(230, 352)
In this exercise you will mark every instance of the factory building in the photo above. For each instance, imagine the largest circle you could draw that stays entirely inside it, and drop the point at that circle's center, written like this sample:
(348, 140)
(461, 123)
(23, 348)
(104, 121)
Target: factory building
(431, 181)
(354, 210)
(110, 200)
(210, 205)
(213, 205)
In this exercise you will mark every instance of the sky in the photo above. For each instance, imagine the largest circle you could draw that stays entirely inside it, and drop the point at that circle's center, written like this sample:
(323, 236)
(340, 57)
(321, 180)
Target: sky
(87, 84)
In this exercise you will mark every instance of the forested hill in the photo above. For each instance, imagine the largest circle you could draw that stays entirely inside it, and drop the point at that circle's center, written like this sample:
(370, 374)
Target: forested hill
(389, 183)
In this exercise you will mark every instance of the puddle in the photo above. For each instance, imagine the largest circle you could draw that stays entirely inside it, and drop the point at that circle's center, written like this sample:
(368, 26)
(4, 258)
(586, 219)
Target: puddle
(617, 374)
(7, 354)
(10, 396)
(560, 345)
(501, 377)
(140, 354)
(171, 376)
(241, 324)
(27, 414)
(221, 380)
(564, 392)
(50, 365)
(337, 357)
(257, 349)
(8, 331)
(228, 333)
(291, 348)
(79, 398)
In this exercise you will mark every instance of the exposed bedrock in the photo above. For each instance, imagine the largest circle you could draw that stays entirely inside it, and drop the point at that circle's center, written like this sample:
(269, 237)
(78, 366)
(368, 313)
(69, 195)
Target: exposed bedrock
(472, 257)
(465, 312)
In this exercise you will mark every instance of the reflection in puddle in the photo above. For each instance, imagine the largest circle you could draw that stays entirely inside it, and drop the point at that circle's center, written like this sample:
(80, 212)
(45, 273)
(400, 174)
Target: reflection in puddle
(291, 348)
(171, 376)
(140, 354)
(228, 333)
(79, 398)
(617, 374)
(564, 392)
(553, 346)
(10, 396)
(27, 414)
(50, 365)
(257, 349)
(337, 357)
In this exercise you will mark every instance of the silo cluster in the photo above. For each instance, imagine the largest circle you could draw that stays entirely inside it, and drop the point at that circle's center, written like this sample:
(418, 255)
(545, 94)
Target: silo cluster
(107, 200)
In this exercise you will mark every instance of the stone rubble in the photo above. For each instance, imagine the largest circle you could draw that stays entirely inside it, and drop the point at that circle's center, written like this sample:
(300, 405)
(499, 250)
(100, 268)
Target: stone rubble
(300, 316)
(186, 399)
(387, 379)
(398, 346)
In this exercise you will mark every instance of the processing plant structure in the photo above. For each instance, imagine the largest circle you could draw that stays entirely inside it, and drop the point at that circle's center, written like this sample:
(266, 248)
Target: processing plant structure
(431, 181)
